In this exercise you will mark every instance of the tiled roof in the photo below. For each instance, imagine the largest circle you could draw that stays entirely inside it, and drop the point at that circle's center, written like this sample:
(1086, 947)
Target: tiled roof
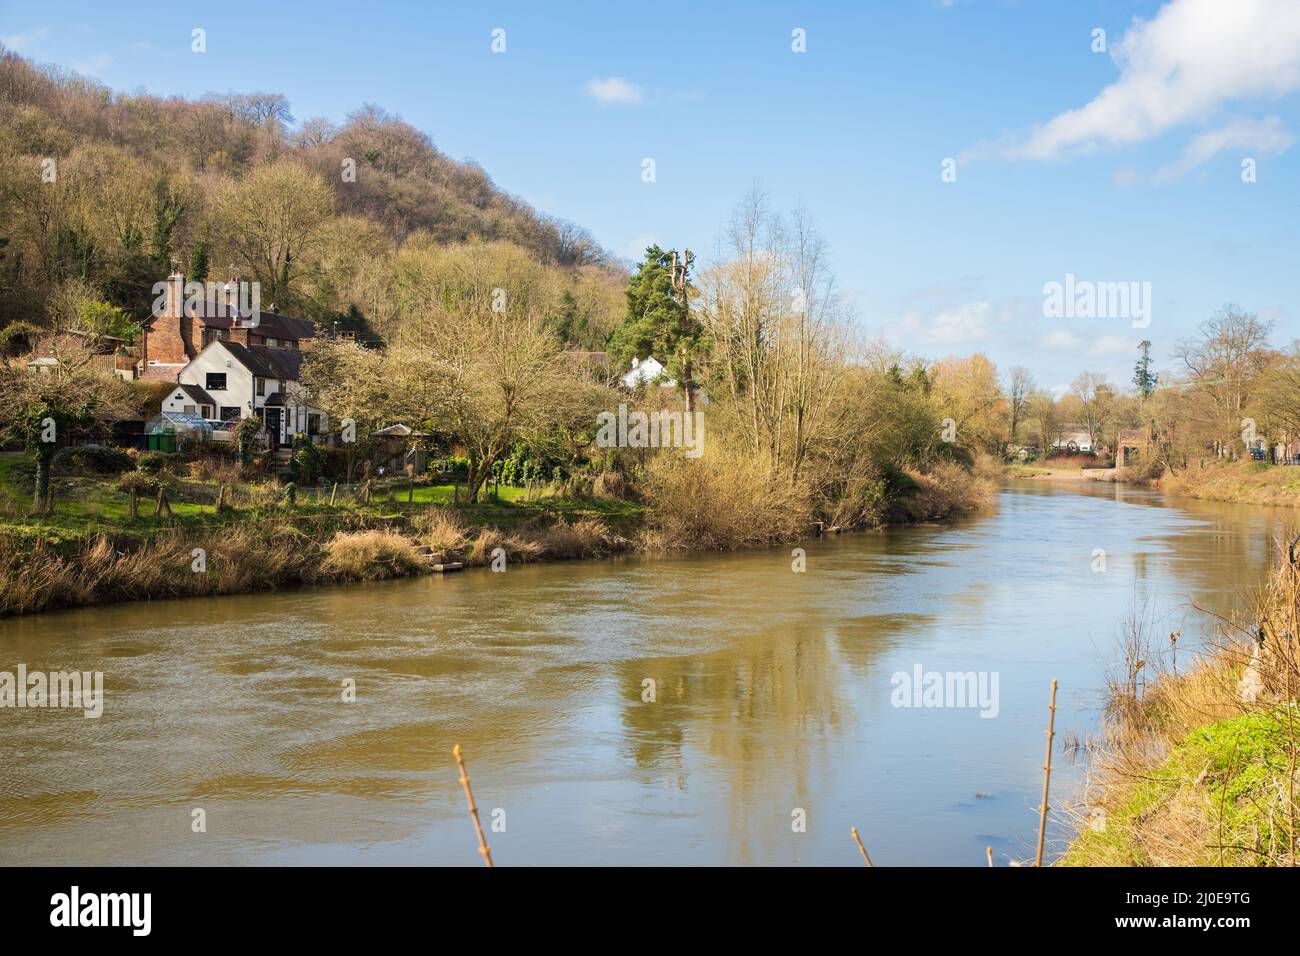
(272, 324)
(160, 373)
(198, 394)
(267, 362)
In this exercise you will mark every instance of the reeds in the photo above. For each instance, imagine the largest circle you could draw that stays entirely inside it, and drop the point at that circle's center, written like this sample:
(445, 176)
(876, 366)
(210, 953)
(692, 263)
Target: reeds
(1047, 775)
(1198, 763)
(483, 847)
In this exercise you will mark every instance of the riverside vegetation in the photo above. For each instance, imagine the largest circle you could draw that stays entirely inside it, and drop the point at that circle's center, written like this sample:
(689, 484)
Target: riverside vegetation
(1198, 766)
(496, 333)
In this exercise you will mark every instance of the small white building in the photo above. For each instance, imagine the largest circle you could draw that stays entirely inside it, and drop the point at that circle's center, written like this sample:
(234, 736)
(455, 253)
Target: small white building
(1073, 440)
(645, 371)
(228, 381)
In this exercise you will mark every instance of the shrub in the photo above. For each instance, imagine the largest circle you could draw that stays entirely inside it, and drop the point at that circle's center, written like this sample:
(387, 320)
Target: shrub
(723, 501)
(87, 460)
(159, 462)
(139, 482)
(308, 463)
(611, 484)
(450, 469)
(948, 491)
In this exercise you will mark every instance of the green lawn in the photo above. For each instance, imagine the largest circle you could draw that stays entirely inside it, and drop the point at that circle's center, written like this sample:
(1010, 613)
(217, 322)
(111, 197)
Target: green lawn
(85, 504)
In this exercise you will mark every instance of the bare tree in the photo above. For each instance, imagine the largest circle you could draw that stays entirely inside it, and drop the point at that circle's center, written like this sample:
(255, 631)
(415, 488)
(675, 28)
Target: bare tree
(1020, 385)
(1222, 363)
(1096, 402)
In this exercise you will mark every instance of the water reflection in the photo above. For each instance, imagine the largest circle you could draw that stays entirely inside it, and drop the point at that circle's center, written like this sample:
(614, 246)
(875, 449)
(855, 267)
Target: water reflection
(772, 695)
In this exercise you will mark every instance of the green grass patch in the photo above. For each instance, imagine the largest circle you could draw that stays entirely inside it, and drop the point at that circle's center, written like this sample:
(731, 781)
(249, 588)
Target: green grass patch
(1233, 772)
(85, 504)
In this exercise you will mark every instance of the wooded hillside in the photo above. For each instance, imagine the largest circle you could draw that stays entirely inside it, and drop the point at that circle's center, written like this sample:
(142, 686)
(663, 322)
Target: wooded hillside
(102, 192)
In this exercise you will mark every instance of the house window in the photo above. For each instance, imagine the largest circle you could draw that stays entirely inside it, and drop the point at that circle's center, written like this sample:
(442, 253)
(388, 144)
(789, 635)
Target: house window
(189, 409)
(313, 423)
(230, 413)
(207, 411)
(260, 386)
(216, 382)
(272, 342)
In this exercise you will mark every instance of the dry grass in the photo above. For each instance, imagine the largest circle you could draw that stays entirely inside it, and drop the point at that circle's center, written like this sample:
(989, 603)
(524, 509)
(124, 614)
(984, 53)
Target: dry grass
(36, 576)
(370, 556)
(214, 468)
(1198, 767)
(1246, 481)
(439, 529)
(586, 538)
(722, 501)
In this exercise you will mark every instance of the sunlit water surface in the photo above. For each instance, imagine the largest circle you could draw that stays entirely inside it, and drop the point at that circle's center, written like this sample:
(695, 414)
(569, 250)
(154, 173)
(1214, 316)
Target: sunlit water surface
(773, 694)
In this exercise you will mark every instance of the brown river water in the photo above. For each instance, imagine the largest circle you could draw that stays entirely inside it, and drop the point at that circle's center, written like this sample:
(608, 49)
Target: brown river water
(773, 706)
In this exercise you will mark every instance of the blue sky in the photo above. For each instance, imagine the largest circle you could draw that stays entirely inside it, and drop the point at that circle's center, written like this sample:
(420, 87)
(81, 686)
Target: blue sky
(1124, 165)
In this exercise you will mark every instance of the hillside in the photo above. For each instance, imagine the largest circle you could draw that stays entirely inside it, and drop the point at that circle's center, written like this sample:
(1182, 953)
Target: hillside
(101, 193)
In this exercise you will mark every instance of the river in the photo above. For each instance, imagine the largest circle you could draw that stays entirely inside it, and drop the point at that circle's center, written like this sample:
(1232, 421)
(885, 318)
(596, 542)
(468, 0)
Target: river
(772, 700)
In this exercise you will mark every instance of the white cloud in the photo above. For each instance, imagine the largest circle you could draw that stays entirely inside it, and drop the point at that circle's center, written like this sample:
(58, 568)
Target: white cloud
(1266, 137)
(1061, 340)
(20, 41)
(614, 90)
(967, 322)
(1179, 67)
(1105, 346)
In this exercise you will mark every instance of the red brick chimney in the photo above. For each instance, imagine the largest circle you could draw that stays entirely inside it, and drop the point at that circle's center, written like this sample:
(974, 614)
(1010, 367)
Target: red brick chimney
(171, 339)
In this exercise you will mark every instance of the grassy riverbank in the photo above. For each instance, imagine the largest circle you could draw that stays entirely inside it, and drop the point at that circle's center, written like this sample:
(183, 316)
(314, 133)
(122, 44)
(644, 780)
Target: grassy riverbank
(223, 536)
(1198, 766)
(1246, 482)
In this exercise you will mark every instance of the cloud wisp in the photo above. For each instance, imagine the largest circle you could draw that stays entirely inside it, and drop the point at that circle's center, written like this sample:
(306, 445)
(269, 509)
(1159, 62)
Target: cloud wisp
(614, 91)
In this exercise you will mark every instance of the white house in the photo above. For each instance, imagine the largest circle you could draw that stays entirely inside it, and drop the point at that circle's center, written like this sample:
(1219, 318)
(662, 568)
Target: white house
(228, 381)
(1073, 439)
(646, 371)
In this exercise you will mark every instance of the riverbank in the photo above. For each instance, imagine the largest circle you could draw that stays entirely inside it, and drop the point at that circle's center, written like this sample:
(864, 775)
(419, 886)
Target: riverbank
(1070, 475)
(1198, 767)
(1246, 482)
(217, 538)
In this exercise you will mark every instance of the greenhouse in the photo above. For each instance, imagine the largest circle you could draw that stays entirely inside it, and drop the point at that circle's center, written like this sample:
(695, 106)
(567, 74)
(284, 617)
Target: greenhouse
(176, 431)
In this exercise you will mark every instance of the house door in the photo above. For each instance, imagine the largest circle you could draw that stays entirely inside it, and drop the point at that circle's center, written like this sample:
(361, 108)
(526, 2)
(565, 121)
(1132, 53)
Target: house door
(273, 426)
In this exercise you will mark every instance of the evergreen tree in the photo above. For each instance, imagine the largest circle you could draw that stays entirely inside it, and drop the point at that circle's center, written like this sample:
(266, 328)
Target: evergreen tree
(1143, 377)
(167, 210)
(200, 259)
(658, 321)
